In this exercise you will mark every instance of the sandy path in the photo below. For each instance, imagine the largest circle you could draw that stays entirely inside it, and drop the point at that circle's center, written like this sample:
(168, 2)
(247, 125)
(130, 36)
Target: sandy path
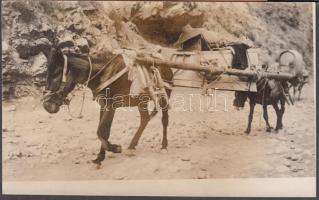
(40, 146)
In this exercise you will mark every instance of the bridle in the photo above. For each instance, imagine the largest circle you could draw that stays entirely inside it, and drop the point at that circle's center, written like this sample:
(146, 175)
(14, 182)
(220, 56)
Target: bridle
(65, 69)
(67, 102)
(48, 94)
(58, 96)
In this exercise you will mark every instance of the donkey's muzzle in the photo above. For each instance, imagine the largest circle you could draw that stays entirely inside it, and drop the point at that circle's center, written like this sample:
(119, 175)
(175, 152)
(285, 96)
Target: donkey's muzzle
(239, 103)
(51, 107)
(240, 99)
(52, 102)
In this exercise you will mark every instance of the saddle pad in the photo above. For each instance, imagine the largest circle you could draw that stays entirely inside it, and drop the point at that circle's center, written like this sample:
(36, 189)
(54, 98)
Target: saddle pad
(112, 72)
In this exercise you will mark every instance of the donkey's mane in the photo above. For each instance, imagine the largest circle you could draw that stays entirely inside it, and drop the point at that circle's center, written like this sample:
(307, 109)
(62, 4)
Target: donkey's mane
(83, 63)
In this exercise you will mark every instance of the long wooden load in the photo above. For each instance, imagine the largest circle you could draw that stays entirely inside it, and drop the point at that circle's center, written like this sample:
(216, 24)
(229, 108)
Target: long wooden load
(213, 69)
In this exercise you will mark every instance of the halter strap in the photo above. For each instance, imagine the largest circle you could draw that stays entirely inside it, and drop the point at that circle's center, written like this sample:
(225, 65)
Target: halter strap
(65, 68)
(90, 72)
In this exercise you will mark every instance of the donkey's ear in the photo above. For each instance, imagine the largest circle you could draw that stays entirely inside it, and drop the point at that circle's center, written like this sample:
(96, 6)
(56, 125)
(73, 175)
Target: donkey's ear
(43, 41)
(42, 44)
(67, 43)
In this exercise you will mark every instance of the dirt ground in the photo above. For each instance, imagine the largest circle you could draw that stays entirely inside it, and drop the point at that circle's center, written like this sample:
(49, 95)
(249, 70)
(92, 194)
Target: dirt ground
(202, 143)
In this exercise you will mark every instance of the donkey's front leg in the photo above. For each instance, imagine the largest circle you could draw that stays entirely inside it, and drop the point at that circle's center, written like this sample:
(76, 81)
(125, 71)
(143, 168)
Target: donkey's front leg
(103, 132)
(165, 124)
(265, 111)
(250, 116)
(165, 106)
(101, 154)
(299, 90)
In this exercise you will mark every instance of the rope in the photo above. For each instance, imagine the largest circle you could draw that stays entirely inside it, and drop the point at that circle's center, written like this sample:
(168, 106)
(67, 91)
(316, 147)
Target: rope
(225, 59)
(212, 68)
(286, 94)
(95, 75)
(90, 73)
(222, 56)
(84, 92)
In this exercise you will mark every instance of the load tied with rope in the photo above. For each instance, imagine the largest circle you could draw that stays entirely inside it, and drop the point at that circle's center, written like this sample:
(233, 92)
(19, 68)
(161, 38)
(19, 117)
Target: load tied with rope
(143, 71)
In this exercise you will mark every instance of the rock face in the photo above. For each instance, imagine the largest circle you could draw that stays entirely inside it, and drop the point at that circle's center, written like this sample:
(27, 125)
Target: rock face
(102, 27)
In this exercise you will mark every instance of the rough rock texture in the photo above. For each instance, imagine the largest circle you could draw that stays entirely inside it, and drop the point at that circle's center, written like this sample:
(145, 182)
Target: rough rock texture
(102, 27)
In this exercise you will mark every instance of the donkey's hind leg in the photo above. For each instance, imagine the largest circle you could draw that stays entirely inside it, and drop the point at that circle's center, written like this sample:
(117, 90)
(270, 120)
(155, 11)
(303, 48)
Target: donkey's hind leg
(165, 106)
(250, 116)
(295, 89)
(282, 111)
(299, 90)
(145, 118)
(265, 111)
(278, 114)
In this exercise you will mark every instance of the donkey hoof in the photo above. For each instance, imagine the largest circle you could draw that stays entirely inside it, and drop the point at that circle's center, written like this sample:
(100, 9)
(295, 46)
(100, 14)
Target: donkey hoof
(247, 131)
(163, 151)
(130, 153)
(164, 146)
(99, 159)
(269, 129)
(98, 166)
(131, 147)
(116, 148)
(278, 128)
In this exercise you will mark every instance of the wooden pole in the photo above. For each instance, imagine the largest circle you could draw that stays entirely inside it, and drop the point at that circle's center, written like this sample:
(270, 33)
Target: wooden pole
(170, 64)
(255, 73)
(213, 70)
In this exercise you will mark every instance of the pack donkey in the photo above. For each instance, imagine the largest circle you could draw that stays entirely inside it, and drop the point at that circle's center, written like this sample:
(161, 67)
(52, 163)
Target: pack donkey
(269, 92)
(274, 92)
(79, 71)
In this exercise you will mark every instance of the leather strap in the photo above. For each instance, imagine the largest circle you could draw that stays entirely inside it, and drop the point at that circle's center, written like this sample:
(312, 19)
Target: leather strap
(65, 69)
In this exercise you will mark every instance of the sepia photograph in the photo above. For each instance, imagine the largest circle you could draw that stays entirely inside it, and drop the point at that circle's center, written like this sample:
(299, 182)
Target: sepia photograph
(162, 98)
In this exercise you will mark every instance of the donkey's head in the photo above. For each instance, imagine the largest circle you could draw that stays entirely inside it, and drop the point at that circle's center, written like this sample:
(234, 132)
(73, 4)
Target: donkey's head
(240, 99)
(56, 70)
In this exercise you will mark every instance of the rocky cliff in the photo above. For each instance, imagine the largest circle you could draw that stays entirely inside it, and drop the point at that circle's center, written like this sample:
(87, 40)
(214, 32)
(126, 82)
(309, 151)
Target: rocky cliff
(106, 26)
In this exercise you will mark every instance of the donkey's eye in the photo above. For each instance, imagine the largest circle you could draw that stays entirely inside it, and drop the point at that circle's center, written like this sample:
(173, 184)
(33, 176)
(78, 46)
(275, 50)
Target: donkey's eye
(56, 72)
(56, 79)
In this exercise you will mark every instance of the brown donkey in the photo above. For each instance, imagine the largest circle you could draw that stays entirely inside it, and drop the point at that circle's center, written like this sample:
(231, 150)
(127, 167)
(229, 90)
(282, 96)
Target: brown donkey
(78, 73)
